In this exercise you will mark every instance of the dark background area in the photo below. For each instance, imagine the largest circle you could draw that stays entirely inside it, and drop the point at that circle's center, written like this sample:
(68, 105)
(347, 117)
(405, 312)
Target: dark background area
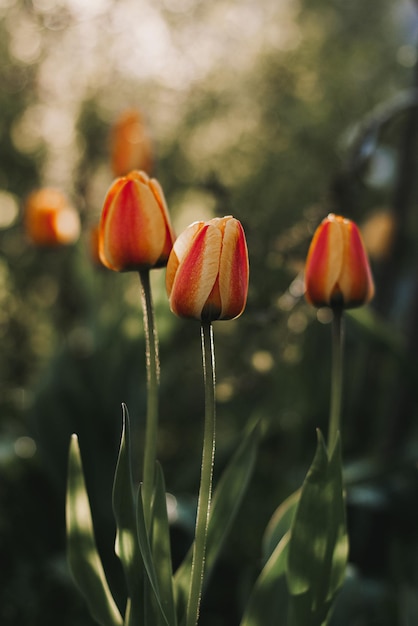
(277, 113)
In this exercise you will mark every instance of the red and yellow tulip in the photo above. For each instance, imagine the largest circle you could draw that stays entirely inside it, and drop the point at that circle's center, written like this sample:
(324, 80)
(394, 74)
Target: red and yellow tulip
(130, 144)
(337, 272)
(208, 269)
(49, 219)
(135, 230)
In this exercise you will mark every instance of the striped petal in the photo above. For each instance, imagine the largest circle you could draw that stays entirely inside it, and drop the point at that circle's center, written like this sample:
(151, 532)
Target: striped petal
(169, 232)
(233, 270)
(355, 281)
(323, 264)
(196, 273)
(179, 251)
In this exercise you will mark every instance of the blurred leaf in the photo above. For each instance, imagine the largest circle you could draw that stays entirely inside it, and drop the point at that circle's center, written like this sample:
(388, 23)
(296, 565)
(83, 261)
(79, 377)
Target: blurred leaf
(226, 501)
(84, 560)
(126, 544)
(319, 544)
(379, 329)
(161, 549)
(268, 602)
(280, 524)
(147, 556)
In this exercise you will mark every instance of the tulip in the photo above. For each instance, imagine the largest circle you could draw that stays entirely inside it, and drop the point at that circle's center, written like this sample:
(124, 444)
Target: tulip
(130, 145)
(337, 272)
(49, 219)
(207, 272)
(135, 231)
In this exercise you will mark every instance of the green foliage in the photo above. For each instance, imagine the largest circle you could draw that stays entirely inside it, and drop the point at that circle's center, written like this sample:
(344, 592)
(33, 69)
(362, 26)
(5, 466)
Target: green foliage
(318, 547)
(227, 499)
(145, 552)
(127, 545)
(84, 560)
(306, 568)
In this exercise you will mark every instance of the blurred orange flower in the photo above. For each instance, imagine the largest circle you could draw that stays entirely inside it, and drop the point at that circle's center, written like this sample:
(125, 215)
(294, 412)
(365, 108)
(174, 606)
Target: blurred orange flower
(130, 145)
(49, 219)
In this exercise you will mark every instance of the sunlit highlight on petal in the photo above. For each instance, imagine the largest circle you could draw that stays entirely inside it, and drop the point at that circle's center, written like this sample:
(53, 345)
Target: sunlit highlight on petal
(207, 272)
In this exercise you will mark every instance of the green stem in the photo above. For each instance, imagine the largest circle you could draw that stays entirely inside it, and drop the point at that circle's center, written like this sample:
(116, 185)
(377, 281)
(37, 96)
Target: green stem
(336, 377)
(205, 491)
(153, 377)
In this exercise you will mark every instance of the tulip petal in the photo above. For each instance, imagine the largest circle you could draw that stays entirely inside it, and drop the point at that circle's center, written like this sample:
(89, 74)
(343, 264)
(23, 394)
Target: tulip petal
(197, 272)
(233, 270)
(169, 232)
(356, 282)
(178, 252)
(324, 262)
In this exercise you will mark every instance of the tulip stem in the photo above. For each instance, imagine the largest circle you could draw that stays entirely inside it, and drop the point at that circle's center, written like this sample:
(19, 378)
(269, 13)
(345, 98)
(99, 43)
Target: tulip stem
(336, 377)
(205, 490)
(153, 376)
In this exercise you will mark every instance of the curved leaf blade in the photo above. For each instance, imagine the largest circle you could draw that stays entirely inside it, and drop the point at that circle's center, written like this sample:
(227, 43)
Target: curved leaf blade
(268, 602)
(319, 544)
(147, 556)
(161, 548)
(84, 560)
(279, 524)
(126, 543)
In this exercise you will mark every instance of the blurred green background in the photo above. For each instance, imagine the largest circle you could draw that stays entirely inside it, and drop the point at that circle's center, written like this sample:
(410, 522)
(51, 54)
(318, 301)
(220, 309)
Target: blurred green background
(275, 111)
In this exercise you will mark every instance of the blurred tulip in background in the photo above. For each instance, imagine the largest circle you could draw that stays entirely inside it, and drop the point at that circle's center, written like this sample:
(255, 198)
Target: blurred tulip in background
(130, 144)
(49, 219)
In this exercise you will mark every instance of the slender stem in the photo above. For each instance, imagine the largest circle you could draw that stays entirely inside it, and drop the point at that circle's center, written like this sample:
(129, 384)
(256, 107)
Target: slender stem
(205, 491)
(153, 377)
(336, 377)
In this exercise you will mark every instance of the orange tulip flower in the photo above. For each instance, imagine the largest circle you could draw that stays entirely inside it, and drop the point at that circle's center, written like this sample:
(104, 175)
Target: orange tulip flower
(135, 230)
(130, 145)
(337, 272)
(207, 272)
(49, 219)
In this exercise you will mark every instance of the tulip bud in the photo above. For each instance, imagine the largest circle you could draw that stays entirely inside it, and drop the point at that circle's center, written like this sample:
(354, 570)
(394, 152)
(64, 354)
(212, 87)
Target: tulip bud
(207, 272)
(49, 219)
(337, 272)
(130, 145)
(135, 230)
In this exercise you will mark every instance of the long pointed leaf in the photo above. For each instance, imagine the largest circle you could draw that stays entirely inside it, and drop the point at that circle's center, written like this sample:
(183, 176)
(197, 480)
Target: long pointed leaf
(279, 524)
(147, 556)
(268, 602)
(84, 560)
(126, 544)
(161, 548)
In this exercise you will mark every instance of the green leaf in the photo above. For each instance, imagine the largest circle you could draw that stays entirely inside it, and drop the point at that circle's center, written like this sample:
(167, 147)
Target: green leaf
(126, 544)
(279, 524)
(268, 602)
(161, 548)
(147, 556)
(84, 560)
(227, 498)
(319, 546)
